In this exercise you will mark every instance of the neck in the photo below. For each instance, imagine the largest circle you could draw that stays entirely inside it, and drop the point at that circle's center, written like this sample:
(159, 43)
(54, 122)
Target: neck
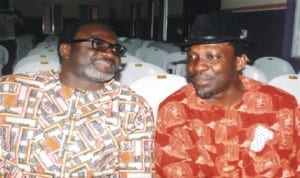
(228, 98)
(72, 81)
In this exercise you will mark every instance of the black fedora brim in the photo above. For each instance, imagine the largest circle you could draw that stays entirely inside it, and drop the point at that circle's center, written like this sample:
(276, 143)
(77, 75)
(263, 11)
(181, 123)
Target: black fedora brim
(214, 39)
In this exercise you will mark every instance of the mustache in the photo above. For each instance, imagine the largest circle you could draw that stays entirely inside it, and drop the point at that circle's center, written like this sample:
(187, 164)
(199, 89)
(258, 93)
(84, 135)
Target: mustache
(199, 76)
(104, 58)
(109, 60)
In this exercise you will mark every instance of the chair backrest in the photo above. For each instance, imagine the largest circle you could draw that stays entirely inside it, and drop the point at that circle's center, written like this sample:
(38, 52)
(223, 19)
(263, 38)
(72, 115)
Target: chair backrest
(155, 88)
(173, 60)
(4, 55)
(254, 73)
(51, 38)
(133, 71)
(122, 38)
(132, 45)
(152, 55)
(35, 63)
(288, 82)
(24, 44)
(181, 70)
(47, 44)
(273, 66)
(43, 51)
(169, 47)
(130, 58)
(147, 42)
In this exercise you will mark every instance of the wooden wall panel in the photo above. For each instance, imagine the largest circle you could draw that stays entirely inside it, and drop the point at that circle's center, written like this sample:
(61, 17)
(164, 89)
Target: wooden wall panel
(253, 5)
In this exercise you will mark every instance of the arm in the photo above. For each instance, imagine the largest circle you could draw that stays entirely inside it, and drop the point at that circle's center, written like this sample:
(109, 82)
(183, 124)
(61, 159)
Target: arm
(136, 150)
(297, 124)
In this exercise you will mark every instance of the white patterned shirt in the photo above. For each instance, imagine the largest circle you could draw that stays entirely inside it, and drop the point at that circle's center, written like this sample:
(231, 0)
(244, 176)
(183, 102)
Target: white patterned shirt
(50, 130)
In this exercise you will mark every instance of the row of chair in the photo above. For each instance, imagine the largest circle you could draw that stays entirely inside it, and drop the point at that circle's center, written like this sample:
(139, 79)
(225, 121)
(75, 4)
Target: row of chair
(270, 70)
(289, 83)
(172, 59)
(4, 57)
(167, 75)
(43, 56)
(175, 63)
(155, 88)
(134, 44)
(273, 66)
(24, 43)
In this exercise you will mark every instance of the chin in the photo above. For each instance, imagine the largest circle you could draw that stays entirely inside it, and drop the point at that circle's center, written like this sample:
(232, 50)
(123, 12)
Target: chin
(98, 76)
(205, 94)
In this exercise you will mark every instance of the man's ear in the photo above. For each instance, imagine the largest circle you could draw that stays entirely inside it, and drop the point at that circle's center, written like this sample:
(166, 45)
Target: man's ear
(64, 50)
(241, 62)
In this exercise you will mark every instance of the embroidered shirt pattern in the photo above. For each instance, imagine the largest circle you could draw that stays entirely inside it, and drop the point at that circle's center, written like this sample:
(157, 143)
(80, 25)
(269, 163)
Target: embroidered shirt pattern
(256, 138)
(49, 130)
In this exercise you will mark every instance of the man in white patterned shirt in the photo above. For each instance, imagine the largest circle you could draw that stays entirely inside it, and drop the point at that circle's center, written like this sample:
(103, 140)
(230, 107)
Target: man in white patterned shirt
(77, 122)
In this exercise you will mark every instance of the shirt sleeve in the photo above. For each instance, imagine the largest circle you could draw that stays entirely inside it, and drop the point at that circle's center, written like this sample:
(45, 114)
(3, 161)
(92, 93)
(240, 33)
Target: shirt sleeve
(297, 124)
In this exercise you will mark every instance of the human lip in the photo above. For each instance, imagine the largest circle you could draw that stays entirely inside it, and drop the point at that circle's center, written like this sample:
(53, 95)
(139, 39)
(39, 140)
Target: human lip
(201, 79)
(104, 62)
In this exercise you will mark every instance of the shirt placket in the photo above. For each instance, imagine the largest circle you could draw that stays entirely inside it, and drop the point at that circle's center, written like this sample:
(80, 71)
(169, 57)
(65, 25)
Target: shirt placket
(66, 151)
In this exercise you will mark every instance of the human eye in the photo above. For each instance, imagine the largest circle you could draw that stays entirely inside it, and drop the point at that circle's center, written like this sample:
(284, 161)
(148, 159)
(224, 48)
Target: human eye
(101, 45)
(191, 57)
(213, 57)
(119, 50)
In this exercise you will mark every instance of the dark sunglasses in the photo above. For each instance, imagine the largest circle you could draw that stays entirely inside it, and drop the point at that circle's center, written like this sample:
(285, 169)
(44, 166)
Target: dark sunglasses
(102, 45)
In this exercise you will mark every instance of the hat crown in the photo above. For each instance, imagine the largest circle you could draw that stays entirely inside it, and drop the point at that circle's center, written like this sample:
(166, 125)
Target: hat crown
(215, 27)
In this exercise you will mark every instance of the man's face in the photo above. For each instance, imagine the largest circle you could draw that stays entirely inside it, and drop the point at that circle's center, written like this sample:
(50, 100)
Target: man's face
(212, 68)
(89, 63)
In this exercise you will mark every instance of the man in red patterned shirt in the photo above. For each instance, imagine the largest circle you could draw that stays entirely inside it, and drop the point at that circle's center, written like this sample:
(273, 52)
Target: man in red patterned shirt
(223, 124)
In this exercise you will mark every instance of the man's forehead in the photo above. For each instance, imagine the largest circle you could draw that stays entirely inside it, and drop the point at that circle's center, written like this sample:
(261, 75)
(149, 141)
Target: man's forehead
(95, 30)
(210, 44)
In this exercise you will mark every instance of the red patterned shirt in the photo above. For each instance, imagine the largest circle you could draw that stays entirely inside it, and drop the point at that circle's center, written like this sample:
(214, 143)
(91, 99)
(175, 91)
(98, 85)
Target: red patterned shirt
(258, 137)
(49, 130)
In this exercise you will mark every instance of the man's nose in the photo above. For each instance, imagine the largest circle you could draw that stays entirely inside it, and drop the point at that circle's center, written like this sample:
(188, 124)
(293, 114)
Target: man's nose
(201, 65)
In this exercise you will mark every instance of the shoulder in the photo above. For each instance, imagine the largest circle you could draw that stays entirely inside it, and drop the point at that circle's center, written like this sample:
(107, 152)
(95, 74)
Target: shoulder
(278, 95)
(180, 94)
(127, 100)
(253, 85)
(36, 79)
(125, 93)
(267, 96)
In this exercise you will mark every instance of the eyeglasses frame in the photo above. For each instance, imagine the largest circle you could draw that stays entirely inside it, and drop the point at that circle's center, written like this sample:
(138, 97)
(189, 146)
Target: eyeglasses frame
(111, 45)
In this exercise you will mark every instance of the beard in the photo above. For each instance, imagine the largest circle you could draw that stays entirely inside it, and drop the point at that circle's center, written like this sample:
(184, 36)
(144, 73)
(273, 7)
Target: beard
(205, 94)
(201, 92)
(93, 74)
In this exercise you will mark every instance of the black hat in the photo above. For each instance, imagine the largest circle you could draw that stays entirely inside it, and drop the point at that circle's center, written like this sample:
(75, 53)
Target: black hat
(215, 27)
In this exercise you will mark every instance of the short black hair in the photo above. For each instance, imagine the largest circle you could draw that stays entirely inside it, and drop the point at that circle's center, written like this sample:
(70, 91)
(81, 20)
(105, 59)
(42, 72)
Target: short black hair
(71, 29)
(240, 47)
